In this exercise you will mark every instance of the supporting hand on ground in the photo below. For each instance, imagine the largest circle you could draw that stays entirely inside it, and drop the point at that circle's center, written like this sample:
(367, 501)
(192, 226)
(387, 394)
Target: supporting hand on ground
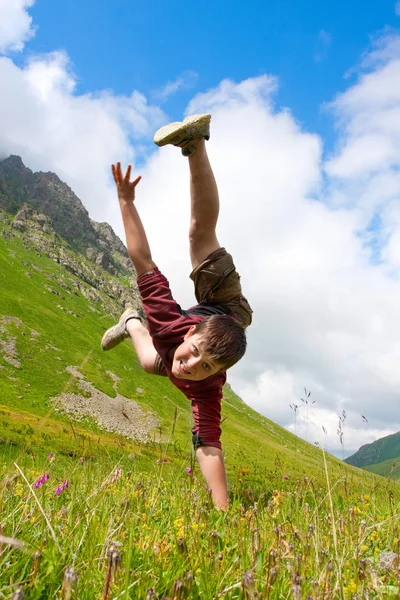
(125, 187)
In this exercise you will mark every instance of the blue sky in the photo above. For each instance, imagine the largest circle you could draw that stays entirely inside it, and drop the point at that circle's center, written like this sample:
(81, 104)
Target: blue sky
(124, 45)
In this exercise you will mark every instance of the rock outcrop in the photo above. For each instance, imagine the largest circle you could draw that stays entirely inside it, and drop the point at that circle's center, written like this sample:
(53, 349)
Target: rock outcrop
(49, 196)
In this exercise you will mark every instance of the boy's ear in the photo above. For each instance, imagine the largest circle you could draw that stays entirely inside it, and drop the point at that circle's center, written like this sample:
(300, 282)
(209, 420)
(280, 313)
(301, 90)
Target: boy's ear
(189, 332)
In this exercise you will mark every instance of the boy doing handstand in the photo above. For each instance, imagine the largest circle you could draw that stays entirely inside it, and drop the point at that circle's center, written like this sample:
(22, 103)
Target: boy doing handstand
(193, 347)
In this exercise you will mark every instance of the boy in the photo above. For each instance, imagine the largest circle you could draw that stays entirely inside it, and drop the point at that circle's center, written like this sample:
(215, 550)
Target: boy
(194, 347)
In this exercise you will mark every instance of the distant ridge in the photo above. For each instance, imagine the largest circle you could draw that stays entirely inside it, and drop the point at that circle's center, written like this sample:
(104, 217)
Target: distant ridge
(386, 448)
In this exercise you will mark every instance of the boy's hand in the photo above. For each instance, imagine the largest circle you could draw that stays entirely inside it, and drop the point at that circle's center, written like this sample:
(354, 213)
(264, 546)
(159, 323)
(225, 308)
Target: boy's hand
(125, 187)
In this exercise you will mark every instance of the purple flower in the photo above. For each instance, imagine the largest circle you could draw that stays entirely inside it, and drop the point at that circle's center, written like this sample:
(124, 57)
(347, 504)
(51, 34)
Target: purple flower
(286, 477)
(188, 470)
(41, 480)
(62, 487)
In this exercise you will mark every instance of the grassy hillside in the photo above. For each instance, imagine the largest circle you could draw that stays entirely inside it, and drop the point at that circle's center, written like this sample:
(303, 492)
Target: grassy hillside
(388, 468)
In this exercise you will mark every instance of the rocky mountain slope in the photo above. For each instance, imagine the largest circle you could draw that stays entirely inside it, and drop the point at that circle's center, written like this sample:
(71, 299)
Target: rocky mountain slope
(48, 195)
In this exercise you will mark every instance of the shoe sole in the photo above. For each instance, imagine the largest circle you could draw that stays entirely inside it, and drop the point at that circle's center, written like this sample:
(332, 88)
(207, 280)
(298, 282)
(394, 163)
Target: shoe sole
(117, 334)
(167, 133)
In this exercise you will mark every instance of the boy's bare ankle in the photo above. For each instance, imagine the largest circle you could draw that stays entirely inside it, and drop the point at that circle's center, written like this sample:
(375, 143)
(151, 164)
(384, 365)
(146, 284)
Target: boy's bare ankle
(133, 324)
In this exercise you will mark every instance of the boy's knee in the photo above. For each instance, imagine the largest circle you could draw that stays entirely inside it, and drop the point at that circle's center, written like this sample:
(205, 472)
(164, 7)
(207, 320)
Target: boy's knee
(198, 233)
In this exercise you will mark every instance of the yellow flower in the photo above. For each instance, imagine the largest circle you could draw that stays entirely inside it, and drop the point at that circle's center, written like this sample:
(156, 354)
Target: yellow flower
(144, 517)
(356, 510)
(18, 490)
(352, 587)
(178, 522)
(194, 526)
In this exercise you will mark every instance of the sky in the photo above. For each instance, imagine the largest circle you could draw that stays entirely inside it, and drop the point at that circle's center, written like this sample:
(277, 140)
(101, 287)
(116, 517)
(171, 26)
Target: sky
(305, 145)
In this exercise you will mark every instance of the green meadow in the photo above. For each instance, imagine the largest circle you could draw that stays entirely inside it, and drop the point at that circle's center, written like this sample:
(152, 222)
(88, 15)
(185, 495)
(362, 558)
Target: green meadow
(87, 512)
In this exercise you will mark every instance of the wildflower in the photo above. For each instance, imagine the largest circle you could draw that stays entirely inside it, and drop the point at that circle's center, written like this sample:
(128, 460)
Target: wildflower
(51, 457)
(80, 460)
(116, 475)
(286, 477)
(188, 470)
(41, 480)
(18, 490)
(62, 487)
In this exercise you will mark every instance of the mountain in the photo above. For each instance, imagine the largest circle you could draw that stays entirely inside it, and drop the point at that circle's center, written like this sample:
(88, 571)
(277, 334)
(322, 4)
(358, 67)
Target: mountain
(64, 280)
(382, 450)
(47, 194)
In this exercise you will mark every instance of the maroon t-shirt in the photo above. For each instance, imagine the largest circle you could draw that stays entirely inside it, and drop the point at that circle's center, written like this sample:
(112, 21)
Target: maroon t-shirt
(168, 326)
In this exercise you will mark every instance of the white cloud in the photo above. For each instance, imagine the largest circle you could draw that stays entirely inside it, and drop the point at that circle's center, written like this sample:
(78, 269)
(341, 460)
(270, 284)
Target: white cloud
(317, 242)
(77, 136)
(322, 44)
(15, 24)
(185, 81)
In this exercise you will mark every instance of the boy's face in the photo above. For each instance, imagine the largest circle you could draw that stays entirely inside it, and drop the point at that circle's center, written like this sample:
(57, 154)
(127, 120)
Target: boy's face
(190, 362)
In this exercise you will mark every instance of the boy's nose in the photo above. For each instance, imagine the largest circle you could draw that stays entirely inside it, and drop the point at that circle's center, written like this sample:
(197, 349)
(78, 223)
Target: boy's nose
(193, 362)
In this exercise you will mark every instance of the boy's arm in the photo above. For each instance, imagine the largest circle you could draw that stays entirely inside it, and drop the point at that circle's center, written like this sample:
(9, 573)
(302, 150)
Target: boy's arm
(136, 239)
(207, 430)
(211, 461)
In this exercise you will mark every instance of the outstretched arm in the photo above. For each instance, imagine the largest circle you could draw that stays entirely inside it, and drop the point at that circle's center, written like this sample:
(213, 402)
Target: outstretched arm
(136, 239)
(212, 466)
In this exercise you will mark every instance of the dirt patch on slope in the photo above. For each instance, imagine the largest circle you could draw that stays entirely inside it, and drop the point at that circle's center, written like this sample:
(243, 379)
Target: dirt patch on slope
(7, 342)
(117, 415)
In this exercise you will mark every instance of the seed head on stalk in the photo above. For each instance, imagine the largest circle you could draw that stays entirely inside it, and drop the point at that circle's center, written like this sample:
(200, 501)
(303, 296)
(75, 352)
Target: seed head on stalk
(178, 589)
(114, 559)
(36, 560)
(181, 544)
(248, 585)
(69, 583)
(18, 594)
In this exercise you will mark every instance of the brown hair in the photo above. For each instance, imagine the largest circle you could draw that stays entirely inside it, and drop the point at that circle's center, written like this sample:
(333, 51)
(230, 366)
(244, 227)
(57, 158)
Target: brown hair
(223, 339)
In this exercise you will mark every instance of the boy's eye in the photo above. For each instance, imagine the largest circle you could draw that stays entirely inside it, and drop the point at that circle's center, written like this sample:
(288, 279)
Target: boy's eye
(195, 350)
(206, 367)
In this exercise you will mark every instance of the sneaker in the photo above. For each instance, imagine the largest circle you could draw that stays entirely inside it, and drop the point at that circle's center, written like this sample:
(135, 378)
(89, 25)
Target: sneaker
(185, 134)
(116, 334)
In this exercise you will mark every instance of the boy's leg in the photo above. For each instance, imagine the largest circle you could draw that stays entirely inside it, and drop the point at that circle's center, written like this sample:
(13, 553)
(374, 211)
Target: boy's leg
(129, 325)
(214, 274)
(143, 344)
(204, 206)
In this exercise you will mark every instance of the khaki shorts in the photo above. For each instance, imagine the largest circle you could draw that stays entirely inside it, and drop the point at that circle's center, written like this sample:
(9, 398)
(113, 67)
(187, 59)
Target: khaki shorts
(217, 282)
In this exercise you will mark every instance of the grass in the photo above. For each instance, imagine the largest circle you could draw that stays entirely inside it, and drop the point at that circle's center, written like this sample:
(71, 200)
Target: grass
(284, 540)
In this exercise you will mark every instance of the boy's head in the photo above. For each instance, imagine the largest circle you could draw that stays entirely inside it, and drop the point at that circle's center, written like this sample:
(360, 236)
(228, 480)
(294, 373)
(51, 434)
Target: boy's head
(215, 344)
